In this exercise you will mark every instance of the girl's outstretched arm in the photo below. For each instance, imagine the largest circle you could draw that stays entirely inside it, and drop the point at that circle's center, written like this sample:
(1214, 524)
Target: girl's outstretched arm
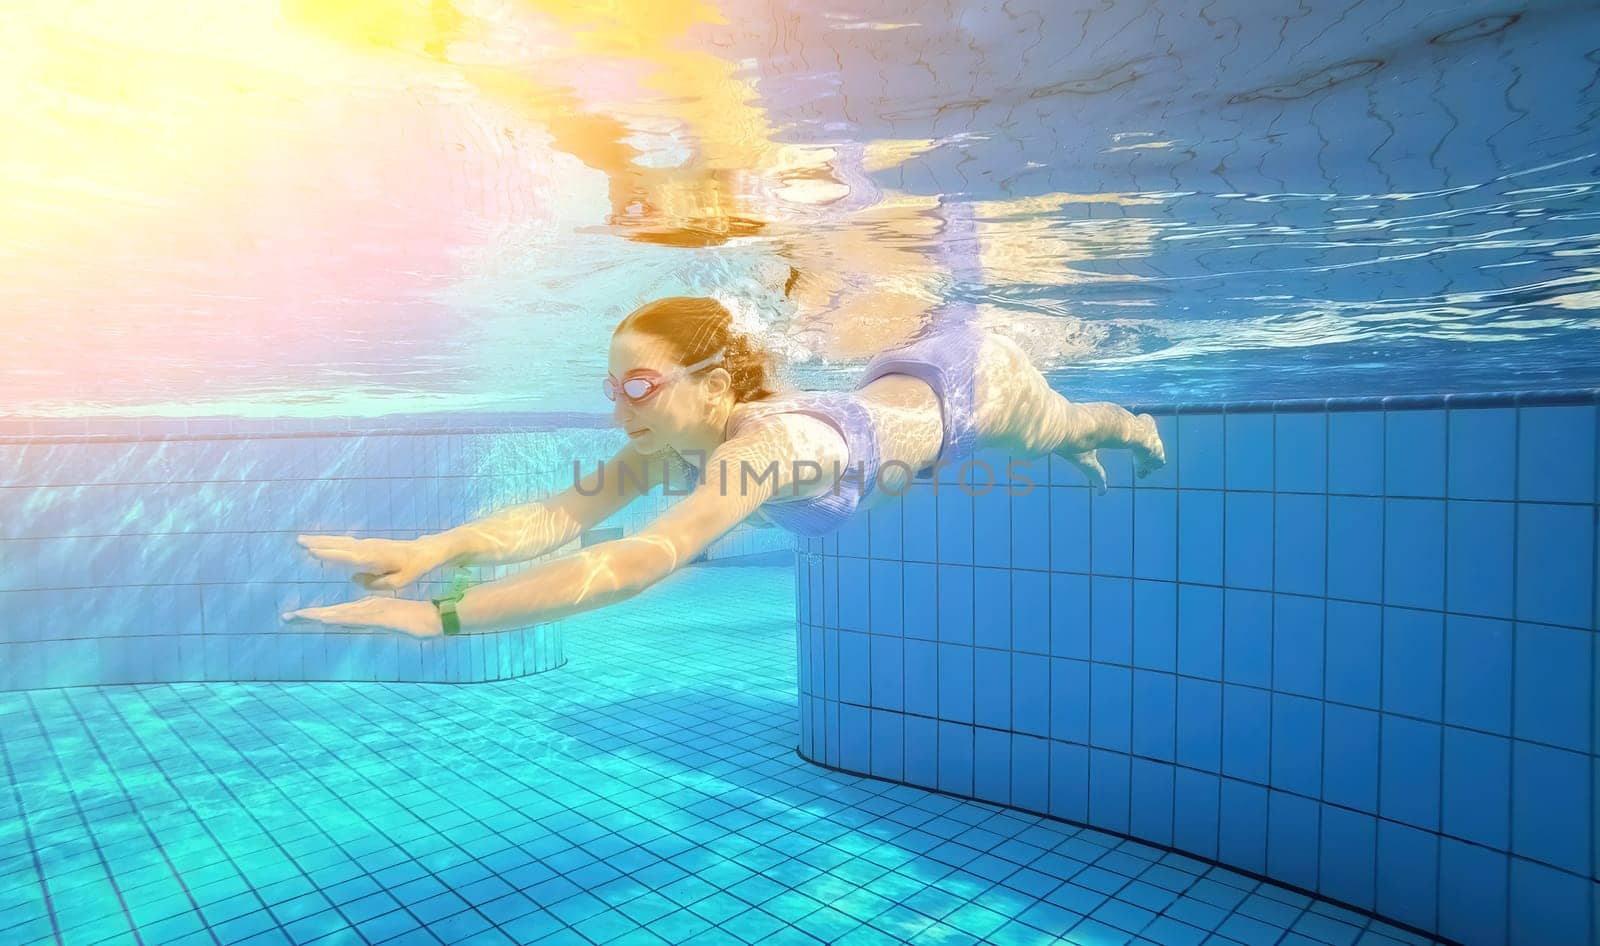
(601, 574)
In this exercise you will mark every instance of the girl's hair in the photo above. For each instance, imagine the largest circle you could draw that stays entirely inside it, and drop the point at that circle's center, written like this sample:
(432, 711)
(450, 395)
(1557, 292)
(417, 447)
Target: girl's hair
(697, 328)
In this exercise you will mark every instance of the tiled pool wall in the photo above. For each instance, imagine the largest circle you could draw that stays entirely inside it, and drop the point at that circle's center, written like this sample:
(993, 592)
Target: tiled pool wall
(1346, 645)
(146, 551)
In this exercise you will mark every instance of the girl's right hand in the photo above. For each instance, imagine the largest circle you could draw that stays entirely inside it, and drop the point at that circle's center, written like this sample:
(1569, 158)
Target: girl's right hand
(383, 564)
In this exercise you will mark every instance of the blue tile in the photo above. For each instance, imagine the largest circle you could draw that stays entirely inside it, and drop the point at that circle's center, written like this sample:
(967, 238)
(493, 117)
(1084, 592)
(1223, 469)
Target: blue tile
(1413, 663)
(921, 750)
(920, 524)
(888, 601)
(1069, 700)
(1548, 906)
(1297, 744)
(1069, 782)
(955, 758)
(1111, 545)
(1030, 773)
(888, 744)
(1409, 776)
(1292, 824)
(1348, 856)
(1200, 537)
(853, 536)
(1109, 790)
(955, 683)
(1408, 868)
(1196, 804)
(1152, 802)
(1355, 453)
(854, 601)
(1155, 625)
(1069, 529)
(991, 683)
(1477, 673)
(1199, 724)
(1242, 829)
(1414, 453)
(1155, 708)
(1030, 612)
(1555, 564)
(1247, 637)
(809, 579)
(888, 671)
(1030, 529)
(1476, 797)
(1483, 453)
(1354, 646)
(1350, 739)
(1030, 694)
(1246, 730)
(1200, 631)
(992, 765)
(1200, 451)
(1554, 683)
(1110, 706)
(1069, 616)
(1300, 543)
(1249, 451)
(1111, 619)
(955, 521)
(922, 677)
(956, 607)
(1472, 892)
(1301, 447)
(1552, 807)
(921, 601)
(884, 530)
(855, 682)
(1555, 454)
(991, 528)
(1297, 648)
(1413, 553)
(991, 617)
(1155, 533)
(1247, 545)
(1482, 538)
(1355, 548)
(855, 738)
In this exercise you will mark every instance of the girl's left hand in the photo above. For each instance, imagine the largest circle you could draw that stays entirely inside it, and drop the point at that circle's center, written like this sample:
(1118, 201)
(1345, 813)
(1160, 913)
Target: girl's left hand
(417, 618)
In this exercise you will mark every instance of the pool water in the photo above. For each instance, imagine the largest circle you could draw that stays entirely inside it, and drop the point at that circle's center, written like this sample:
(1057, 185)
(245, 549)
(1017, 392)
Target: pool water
(360, 207)
(647, 792)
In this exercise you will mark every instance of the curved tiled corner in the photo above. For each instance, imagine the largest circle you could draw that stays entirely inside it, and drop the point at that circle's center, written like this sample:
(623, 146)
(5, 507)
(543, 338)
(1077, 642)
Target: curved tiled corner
(1350, 648)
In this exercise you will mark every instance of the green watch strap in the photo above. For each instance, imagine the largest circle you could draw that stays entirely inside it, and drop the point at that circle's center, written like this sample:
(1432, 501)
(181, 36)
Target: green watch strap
(447, 616)
(446, 605)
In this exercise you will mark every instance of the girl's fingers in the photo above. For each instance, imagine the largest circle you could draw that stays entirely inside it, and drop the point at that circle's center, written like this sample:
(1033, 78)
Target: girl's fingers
(341, 542)
(340, 555)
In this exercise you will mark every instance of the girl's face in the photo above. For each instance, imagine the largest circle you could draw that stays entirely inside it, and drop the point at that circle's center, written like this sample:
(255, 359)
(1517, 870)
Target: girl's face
(672, 408)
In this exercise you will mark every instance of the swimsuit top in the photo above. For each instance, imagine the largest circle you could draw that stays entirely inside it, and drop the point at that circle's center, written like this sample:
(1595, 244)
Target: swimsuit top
(819, 515)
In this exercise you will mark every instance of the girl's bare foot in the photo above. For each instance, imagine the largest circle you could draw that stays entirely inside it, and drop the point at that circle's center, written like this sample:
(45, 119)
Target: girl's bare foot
(1149, 454)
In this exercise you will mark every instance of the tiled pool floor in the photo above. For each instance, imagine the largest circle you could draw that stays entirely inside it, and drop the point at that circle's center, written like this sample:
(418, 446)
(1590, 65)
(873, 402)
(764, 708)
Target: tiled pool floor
(647, 792)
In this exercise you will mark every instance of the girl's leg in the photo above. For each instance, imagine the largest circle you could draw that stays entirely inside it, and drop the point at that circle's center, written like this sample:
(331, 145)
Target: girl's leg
(1018, 408)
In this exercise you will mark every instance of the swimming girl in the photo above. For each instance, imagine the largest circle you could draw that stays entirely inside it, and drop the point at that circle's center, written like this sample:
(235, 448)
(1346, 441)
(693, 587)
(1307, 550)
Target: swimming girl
(691, 389)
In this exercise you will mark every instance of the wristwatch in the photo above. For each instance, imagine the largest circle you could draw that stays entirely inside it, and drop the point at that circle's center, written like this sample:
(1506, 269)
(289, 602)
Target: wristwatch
(446, 605)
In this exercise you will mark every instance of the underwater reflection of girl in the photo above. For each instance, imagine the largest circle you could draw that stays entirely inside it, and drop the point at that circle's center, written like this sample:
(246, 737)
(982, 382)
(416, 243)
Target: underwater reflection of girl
(695, 397)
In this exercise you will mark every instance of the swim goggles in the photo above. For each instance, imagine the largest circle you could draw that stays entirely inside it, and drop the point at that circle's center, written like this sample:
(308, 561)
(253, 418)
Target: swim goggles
(642, 384)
